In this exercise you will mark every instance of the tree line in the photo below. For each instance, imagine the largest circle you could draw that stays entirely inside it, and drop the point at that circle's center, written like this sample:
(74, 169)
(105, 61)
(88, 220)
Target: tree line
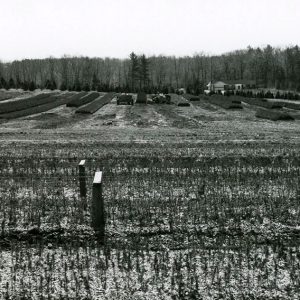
(269, 67)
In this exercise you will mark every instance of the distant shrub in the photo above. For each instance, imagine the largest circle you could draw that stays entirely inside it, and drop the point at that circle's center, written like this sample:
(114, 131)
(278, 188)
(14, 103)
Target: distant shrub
(183, 104)
(273, 115)
(269, 95)
(290, 105)
(278, 95)
(63, 86)
(11, 83)
(178, 100)
(190, 97)
(95, 105)
(249, 94)
(263, 103)
(232, 102)
(3, 84)
(32, 86)
(86, 87)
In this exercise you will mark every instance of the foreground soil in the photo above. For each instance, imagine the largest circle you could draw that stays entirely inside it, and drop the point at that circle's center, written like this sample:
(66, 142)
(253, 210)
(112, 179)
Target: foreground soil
(168, 235)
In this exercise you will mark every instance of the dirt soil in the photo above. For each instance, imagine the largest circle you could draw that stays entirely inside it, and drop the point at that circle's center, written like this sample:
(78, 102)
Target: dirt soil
(202, 121)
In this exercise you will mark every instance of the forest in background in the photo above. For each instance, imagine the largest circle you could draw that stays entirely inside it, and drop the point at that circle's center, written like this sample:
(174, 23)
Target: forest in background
(269, 67)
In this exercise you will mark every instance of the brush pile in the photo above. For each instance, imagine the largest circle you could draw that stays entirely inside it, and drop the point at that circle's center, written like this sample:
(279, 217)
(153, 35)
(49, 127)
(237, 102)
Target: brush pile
(190, 97)
(273, 115)
(95, 105)
(53, 102)
(262, 103)
(83, 99)
(226, 102)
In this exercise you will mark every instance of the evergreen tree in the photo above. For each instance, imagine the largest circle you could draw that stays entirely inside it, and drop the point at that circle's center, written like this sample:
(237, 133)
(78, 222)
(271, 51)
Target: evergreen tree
(95, 82)
(48, 84)
(11, 84)
(32, 86)
(86, 87)
(63, 86)
(144, 72)
(53, 85)
(3, 84)
(77, 85)
(25, 85)
(18, 82)
(134, 70)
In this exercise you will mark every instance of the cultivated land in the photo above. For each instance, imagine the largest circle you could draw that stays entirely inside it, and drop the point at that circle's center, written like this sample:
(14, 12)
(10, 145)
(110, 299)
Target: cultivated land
(201, 202)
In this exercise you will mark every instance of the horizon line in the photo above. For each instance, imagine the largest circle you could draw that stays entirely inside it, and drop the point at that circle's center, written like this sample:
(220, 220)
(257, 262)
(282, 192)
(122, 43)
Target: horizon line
(201, 52)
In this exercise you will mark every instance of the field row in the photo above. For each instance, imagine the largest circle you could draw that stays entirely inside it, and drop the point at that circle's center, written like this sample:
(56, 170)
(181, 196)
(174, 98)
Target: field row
(90, 103)
(91, 271)
(177, 227)
(209, 220)
(45, 194)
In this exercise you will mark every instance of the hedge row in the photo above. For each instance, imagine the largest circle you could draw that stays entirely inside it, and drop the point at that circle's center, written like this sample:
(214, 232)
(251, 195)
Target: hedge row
(262, 103)
(76, 97)
(273, 115)
(54, 102)
(179, 100)
(83, 98)
(190, 97)
(92, 107)
(25, 103)
(5, 97)
(226, 102)
(290, 105)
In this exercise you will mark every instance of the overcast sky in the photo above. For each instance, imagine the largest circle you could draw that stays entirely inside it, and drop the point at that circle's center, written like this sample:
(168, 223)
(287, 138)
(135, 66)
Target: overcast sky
(114, 28)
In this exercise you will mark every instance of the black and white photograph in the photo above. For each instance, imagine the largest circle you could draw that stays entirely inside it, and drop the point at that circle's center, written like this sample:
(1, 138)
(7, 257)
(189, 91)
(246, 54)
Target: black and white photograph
(150, 150)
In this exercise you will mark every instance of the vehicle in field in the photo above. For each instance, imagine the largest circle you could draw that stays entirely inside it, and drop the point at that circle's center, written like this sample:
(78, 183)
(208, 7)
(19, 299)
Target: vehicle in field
(126, 99)
(180, 91)
(161, 98)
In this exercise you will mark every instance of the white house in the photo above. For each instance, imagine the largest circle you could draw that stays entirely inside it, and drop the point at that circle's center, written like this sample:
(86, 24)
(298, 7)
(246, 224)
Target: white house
(229, 85)
(215, 86)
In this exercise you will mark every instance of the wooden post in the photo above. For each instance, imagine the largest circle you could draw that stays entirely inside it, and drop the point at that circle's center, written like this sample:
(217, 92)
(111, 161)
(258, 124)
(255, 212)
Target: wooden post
(82, 184)
(98, 221)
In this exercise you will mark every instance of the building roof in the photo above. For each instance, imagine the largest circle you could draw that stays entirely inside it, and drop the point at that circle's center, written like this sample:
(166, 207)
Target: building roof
(240, 81)
(216, 81)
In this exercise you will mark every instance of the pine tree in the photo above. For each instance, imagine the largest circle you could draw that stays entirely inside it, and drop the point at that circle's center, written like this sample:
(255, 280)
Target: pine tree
(25, 85)
(53, 85)
(32, 86)
(3, 84)
(77, 85)
(86, 87)
(144, 72)
(18, 82)
(63, 86)
(134, 70)
(11, 83)
(95, 82)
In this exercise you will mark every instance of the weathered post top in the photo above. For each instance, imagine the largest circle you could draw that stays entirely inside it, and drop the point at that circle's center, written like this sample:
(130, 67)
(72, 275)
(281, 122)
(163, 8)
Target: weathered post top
(98, 177)
(82, 183)
(97, 212)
